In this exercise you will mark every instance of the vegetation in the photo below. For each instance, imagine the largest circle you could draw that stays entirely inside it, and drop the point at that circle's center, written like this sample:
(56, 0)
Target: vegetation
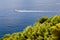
(44, 29)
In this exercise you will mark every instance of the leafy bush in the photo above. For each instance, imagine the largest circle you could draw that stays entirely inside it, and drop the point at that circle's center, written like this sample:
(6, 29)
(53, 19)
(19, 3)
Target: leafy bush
(44, 29)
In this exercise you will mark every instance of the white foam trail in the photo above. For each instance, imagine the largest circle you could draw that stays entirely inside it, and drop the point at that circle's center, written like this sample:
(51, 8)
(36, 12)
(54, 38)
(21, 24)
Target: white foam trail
(32, 11)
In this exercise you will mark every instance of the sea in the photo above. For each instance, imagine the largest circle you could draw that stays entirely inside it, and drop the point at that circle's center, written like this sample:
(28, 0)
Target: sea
(28, 12)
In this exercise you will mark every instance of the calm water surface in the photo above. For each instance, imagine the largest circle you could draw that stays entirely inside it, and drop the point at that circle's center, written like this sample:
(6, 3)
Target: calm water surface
(12, 21)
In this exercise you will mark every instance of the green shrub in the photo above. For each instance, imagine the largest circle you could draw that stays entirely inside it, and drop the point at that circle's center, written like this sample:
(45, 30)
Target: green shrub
(44, 29)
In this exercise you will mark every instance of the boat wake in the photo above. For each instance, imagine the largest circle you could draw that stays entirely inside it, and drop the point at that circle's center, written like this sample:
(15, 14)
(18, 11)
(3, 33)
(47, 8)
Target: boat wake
(32, 11)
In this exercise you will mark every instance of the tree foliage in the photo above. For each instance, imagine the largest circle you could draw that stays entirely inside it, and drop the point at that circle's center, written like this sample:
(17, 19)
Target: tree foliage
(44, 29)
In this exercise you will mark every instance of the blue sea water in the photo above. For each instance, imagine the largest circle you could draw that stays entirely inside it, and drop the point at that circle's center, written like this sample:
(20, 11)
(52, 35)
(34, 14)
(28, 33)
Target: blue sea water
(16, 22)
(12, 21)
